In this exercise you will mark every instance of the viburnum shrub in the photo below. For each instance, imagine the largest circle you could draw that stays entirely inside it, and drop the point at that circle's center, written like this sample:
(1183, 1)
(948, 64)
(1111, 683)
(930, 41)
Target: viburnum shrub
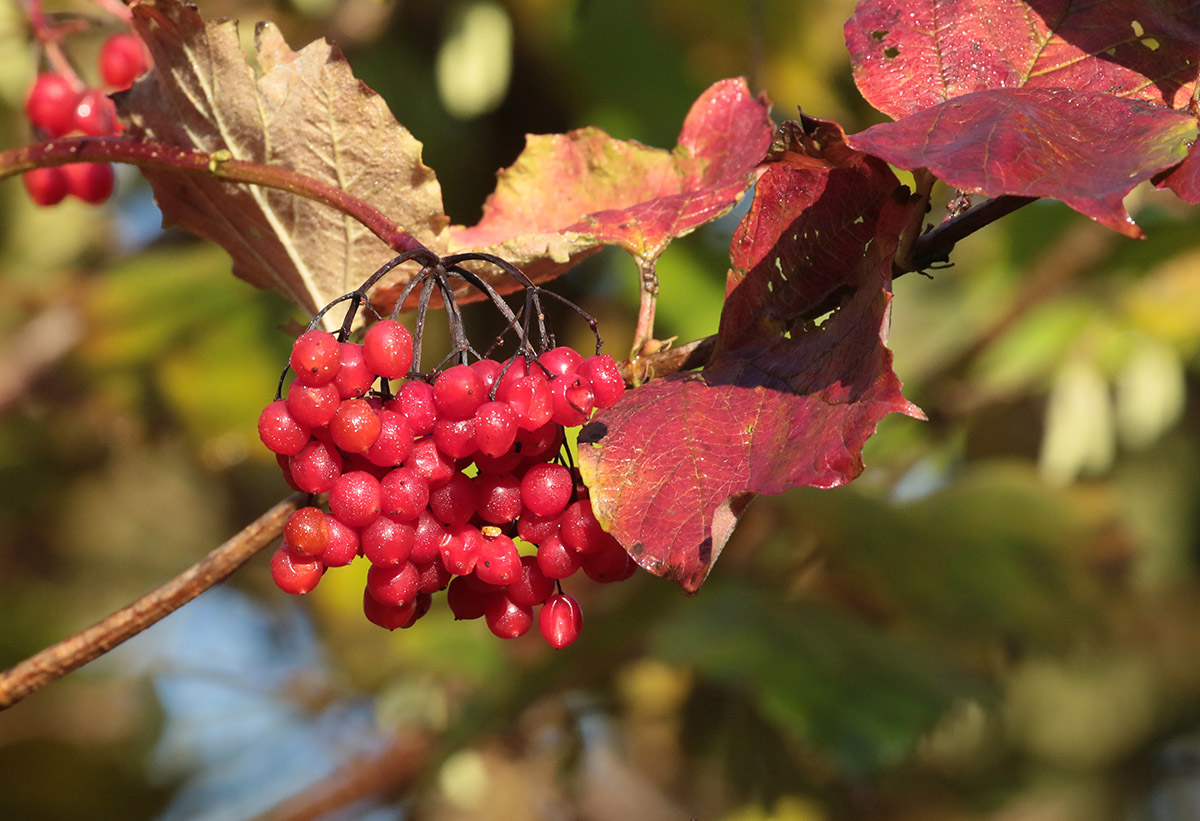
(435, 475)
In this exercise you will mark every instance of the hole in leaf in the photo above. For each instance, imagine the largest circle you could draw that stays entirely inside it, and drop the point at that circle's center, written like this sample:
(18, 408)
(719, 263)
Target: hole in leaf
(822, 319)
(1150, 43)
(891, 52)
(1138, 31)
(879, 34)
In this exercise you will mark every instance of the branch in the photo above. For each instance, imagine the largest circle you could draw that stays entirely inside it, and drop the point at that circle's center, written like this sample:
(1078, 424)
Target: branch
(149, 154)
(57, 660)
(938, 243)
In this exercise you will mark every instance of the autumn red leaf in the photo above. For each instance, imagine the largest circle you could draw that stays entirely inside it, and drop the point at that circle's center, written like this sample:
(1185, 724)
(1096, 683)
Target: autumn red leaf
(1085, 148)
(565, 197)
(908, 56)
(1184, 180)
(785, 401)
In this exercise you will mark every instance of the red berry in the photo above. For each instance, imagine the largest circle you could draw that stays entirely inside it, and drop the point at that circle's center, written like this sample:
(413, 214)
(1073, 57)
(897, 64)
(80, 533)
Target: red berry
(343, 544)
(353, 378)
(427, 545)
(395, 584)
(434, 576)
(355, 426)
(546, 489)
(415, 401)
(458, 392)
(498, 497)
(607, 383)
(388, 349)
(495, 428)
(46, 186)
(507, 619)
(489, 371)
(294, 572)
(355, 498)
(387, 541)
(557, 560)
(316, 467)
(531, 399)
(307, 530)
(91, 182)
(580, 530)
(429, 462)
(455, 502)
(499, 465)
(460, 548)
(455, 437)
(572, 399)
(610, 563)
(95, 114)
(279, 431)
(51, 104)
(394, 442)
(498, 561)
(561, 361)
(405, 494)
(122, 60)
(316, 357)
(468, 597)
(536, 529)
(312, 407)
(532, 586)
(541, 444)
(560, 620)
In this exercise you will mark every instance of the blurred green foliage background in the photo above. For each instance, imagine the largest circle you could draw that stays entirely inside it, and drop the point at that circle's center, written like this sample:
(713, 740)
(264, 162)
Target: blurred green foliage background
(998, 620)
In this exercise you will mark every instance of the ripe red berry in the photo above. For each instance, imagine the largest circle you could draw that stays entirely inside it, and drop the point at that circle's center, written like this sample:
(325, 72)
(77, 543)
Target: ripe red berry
(495, 428)
(572, 400)
(429, 462)
(294, 572)
(95, 114)
(355, 426)
(428, 541)
(610, 563)
(560, 620)
(91, 182)
(353, 378)
(498, 561)
(455, 502)
(405, 494)
(316, 467)
(50, 105)
(458, 392)
(468, 597)
(394, 442)
(455, 437)
(395, 584)
(415, 401)
(387, 541)
(546, 489)
(279, 431)
(536, 529)
(312, 407)
(122, 60)
(460, 548)
(46, 186)
(498, 497)
(343, 544)
(507, 619)
(389, 616)
(489, 371)
(307, 530)
(434, 575)
(607, 383)
(532, 586)
(555, 559)
(561, 360)
(530, 397)
(316, 357)
(388, 349)
(355, 498)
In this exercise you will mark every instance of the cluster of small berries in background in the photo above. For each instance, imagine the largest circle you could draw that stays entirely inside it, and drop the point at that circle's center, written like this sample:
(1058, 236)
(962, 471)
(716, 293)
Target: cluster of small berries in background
(58, 105)
(436, 483)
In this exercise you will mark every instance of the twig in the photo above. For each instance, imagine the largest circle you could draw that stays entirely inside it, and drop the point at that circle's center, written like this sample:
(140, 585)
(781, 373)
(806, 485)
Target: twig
(149, 154)
(644, 332)
(380, 775)
(938, 243)
(912, 232)
(57, 660)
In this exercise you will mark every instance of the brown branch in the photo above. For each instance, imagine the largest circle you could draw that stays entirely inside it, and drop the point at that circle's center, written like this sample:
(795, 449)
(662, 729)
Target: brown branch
(149, 154)
(381, 775)
(57, 660)
(937, 244)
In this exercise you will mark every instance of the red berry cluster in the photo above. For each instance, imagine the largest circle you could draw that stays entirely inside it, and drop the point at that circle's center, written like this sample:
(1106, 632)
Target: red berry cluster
(433, 482)
(57, 106)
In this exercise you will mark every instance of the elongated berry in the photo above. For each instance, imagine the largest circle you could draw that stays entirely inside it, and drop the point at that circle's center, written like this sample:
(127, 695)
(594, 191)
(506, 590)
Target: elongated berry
(560, 620)
(46, 186)
(388, 349)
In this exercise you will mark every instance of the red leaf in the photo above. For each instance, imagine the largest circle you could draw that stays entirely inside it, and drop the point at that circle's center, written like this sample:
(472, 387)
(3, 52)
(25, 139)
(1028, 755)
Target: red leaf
(908, 56)
(1184, 180)
(1085, 148)
(784, 402)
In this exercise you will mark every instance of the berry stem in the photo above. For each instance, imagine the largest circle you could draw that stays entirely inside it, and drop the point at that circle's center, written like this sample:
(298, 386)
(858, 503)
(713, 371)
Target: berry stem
(150, 154)
(59, 659)
(49, 35)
